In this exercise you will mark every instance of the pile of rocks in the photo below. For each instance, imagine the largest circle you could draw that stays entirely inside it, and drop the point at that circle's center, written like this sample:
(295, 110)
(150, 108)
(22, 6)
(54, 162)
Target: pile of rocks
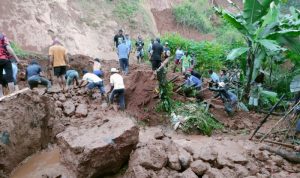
(162, 156)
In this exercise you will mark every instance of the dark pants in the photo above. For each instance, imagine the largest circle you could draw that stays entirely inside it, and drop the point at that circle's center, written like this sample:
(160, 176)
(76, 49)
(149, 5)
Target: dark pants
(98, 85)
(155, 64)
(121, 94)
(36, 80)
(6, 65)
(124, 65)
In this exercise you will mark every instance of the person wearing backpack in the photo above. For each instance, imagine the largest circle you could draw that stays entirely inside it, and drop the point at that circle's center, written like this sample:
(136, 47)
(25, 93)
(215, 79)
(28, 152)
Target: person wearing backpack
(6, 52)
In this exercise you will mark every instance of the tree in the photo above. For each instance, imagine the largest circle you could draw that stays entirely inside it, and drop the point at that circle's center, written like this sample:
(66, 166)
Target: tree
(266, 31)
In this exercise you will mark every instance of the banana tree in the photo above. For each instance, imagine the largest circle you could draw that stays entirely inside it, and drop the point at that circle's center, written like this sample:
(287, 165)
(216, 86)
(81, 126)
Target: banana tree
(266, 33)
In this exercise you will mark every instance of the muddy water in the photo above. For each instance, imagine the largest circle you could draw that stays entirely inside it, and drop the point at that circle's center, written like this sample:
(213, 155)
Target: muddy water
(43, 164)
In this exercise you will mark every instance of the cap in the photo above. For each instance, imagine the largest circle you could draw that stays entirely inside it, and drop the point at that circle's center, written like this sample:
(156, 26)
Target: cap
(114, 70)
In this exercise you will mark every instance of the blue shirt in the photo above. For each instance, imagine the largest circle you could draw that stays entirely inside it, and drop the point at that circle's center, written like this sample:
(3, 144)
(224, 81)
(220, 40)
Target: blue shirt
(33, 69)
(193, 81)
(71, 73)
(215, 78)
(123, 51)
(128, 43)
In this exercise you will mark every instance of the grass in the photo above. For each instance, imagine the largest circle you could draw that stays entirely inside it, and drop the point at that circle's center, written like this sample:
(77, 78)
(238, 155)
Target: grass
(194, 13)
(18, 50)
(125, 9)
(197, 118)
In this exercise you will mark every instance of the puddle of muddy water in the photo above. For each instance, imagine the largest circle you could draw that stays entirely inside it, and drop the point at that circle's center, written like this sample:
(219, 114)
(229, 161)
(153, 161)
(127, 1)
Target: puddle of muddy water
(42, 164)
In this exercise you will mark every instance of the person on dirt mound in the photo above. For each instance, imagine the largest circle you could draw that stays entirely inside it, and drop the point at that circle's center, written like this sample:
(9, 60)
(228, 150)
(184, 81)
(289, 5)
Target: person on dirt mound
(128, 43)
(157, 49)
(117, 88)
(6, 52)
(15, 70)
(150, 47)
(178, 55)
(35, 77)
(139, 49)
(185, 62)
(214, 78)
(72, 77)
(97, 67)
(229, 99)
(59, 61)
(93, 81)
(192, 82)
(223, 76)
(123, 53)
(119, 38)
(167, 51)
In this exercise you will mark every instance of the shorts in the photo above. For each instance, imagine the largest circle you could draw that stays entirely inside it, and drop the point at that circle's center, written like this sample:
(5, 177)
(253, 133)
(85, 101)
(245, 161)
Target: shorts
(155, 64)
(253, 101)
(177, 61)
(60, 70)
(140, 54)
(8, 77)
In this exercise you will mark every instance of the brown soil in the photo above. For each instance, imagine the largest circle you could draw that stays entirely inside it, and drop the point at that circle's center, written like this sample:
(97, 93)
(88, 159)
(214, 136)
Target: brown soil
(166, 23)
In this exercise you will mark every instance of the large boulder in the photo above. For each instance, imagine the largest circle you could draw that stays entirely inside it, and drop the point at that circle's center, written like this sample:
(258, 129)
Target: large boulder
(95, 150)
(24, 128)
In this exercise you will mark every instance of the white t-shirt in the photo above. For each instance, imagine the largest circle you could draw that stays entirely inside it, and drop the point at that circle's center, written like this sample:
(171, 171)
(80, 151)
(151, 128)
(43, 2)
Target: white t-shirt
(116, 80)
(90, 77)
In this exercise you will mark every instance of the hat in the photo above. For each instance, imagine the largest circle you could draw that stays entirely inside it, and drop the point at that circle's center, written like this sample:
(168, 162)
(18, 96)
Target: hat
(84, 71)
(221, 84)
(97, 59)
(114, 70)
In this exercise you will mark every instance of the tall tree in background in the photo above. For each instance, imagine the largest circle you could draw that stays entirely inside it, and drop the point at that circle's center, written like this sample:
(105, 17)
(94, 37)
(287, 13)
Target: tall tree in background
(266, 31)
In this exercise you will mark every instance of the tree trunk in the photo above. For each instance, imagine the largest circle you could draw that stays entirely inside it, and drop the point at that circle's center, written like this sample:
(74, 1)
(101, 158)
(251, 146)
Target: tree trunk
(250, 63)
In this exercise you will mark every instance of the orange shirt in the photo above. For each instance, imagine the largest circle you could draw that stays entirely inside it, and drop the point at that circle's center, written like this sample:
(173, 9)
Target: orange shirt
(58, 52)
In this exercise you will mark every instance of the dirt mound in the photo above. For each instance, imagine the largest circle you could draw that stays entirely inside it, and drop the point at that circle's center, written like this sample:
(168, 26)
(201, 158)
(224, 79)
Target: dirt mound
(24, 128)
(141, 97)
(166, 23)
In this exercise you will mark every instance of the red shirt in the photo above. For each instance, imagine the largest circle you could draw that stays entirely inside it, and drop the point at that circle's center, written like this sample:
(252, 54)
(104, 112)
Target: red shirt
(3, 43)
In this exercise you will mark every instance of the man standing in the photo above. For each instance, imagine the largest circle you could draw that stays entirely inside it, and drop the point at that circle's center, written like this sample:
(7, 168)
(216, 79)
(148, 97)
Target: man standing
(178, 55)
(119, 38)
(5, 64)
(167, 52)
(128, 43)
(139, 49)
(123, 52)
(59, 61)
(34, 76)
(185, 62)
(157, 50)
(117, 88)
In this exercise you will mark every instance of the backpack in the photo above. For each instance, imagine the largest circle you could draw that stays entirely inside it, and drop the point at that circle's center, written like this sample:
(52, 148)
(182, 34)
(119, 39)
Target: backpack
(3, 50)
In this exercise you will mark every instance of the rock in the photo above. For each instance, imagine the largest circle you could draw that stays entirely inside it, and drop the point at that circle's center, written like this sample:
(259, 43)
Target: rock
(227, 172)
(277, 159)
(174, 162)
(261, 155)
(58, 104)
(91, 151)
(199, 167)
(163, 173)
(25, 121)
(239, 159)
(62, 98)
(252, 167)
(281, 174)
(185, 158)
(213, 173)
(206, 154)
(241, 171)
(158, 135)
(69, 108)
(81, 110)
(139, 172)
(151, 155)
(222, 161)
(188, 174)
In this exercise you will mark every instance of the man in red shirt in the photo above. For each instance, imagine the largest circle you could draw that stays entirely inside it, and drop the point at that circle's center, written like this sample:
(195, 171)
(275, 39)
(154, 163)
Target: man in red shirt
(5, 64)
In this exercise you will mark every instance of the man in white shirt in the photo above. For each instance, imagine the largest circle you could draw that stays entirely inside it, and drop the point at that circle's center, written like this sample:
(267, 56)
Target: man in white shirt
(93, 81)
(117, 88)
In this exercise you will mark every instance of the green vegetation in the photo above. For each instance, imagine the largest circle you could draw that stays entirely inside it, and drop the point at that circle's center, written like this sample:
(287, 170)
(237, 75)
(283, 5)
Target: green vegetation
(194, 13)
(18, 50)
(126, 9)
(196, 117)
(267, 34)
(209, 55)
(165, 92)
